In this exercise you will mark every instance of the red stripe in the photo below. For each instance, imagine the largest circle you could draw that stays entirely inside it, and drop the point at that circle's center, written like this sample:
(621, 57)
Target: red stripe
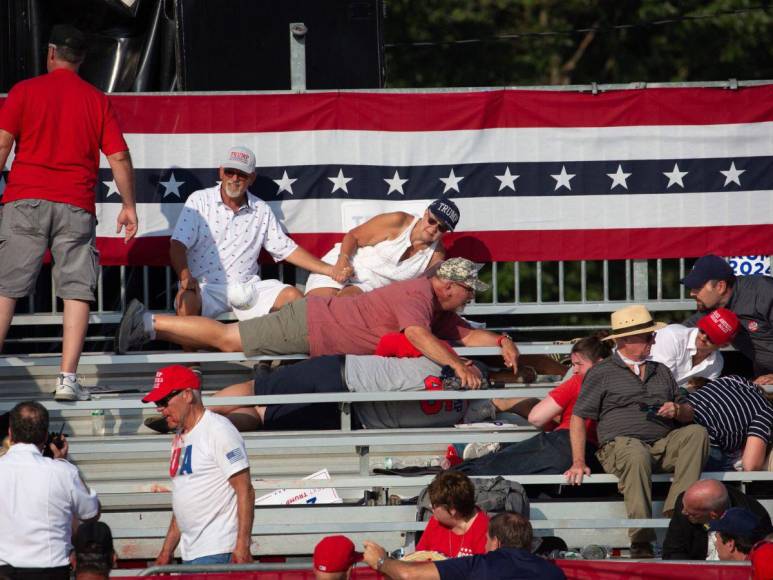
(524, 246)
(440, 111)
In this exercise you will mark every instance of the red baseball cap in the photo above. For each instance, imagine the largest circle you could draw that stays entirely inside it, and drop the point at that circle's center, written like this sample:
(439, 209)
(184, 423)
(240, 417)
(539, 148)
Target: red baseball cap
(396, 344)
(720, 325)
(170, 379)
(335, 554)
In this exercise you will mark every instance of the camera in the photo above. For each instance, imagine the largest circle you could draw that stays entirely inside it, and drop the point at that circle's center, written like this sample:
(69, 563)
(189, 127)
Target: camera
(57, 439)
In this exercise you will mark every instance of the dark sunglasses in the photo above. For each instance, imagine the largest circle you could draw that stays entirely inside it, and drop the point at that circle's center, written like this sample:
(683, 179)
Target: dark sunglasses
(231, 172)
(164, 403)
(433, 221)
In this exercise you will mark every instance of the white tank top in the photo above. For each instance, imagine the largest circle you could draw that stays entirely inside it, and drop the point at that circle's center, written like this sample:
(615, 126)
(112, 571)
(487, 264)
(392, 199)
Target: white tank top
(379, 265)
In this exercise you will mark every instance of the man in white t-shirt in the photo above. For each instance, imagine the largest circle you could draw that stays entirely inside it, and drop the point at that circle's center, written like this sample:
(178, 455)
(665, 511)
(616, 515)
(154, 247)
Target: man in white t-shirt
(40, 499)
(212, 495)
(216, 243)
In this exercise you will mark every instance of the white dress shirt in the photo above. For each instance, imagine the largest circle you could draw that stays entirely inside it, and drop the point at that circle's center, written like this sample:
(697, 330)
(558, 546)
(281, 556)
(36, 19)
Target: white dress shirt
(223, 245)
(675, 346)
(39, 498)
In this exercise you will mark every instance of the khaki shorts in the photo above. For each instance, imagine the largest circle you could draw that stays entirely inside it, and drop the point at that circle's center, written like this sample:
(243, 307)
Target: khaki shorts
(30, 226)
(281, 332)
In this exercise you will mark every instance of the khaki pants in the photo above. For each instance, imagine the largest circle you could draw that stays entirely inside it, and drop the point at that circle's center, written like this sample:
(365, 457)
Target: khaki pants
(682, 452)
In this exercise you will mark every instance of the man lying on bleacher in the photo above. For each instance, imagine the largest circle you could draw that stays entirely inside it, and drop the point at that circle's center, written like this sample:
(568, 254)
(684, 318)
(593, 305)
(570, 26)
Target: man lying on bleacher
(425, 309)
(639, 409)
(356, 373)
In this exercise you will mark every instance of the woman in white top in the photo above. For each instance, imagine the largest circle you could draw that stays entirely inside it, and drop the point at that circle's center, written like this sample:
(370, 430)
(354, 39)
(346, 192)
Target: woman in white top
(387, 248)
(694, 352)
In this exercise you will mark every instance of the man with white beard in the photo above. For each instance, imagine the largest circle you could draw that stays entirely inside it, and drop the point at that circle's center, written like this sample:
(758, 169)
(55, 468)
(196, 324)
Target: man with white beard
(217, 241)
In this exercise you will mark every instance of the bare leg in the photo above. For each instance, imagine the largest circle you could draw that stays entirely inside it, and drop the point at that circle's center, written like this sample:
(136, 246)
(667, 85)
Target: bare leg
(188, 303)
(244, 418)
(323, 292)
(198, 332)
(76, 323)
(349, 291)
(7, 308)
(287, 295)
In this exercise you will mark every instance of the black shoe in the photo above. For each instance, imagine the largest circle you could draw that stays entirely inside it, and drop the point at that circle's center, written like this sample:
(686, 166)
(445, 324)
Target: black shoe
(131, 330)
(641, 551)
(157, 423)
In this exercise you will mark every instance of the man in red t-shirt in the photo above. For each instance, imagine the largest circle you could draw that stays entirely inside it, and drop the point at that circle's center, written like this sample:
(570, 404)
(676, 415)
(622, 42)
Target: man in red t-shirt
(424, 309)
(59, 124)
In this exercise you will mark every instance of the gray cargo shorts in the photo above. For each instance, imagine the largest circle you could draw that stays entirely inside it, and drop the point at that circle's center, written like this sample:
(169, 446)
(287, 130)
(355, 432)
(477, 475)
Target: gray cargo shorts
(30, 226)
(282, 332)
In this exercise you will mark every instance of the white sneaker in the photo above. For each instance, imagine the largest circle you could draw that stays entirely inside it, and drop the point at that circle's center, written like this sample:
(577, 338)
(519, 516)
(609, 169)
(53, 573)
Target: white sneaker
(69, 390)
(475, 450)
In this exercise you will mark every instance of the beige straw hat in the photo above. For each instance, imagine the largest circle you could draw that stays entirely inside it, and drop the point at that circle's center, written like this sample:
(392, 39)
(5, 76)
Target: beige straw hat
(634, 319)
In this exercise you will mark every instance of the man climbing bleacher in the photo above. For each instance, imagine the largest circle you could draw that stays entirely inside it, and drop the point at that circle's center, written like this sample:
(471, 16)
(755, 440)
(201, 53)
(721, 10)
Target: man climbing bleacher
(639, 410)
(424, 309)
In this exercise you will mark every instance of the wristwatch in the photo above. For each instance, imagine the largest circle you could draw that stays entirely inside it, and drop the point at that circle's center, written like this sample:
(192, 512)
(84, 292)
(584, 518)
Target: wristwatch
(380, 562)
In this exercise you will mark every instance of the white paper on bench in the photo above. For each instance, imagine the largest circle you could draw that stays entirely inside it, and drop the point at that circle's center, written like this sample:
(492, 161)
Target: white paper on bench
(302, 496)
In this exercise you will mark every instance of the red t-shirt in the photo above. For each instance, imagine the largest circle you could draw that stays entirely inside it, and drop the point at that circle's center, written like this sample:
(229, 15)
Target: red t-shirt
(439, 538)
(565, 395)
(60, 123)
(355, 324)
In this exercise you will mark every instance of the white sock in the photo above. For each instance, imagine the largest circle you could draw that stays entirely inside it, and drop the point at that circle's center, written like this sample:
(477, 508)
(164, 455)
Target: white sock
(147, 324)
(70, 376)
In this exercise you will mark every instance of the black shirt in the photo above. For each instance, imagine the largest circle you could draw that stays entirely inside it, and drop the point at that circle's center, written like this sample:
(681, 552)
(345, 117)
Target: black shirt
(501, 564)
(687, 541)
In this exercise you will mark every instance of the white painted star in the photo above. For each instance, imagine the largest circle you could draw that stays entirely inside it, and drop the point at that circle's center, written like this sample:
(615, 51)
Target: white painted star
(675, 176)
(285, 183)
(732, 175)
(396, 184)
(2, 185)
(451, 182)
(563, 179)
(171, 186)
(111, 188)
(339, 182)
(619, 178)
(507, 179)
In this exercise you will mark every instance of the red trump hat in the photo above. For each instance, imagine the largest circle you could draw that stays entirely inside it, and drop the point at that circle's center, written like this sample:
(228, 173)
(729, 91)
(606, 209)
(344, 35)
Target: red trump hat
(720, 325)
(172, 379)
(335, 554)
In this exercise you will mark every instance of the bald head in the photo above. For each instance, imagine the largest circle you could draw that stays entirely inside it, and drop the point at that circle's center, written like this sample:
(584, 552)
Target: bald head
(705, 500)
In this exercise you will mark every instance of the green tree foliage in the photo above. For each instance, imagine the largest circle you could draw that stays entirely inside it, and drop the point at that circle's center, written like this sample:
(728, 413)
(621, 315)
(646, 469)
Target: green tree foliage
(557, 42)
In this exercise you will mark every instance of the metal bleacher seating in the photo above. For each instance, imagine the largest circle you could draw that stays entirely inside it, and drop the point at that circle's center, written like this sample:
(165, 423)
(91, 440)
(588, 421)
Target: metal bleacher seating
(128, 464)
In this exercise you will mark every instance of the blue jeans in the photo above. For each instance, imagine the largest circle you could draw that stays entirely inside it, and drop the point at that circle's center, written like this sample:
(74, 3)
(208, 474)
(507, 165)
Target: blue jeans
(718, 460)
(211, 559)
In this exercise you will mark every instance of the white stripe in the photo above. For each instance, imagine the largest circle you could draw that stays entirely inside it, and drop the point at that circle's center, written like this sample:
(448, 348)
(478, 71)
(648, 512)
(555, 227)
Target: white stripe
(486, 214)
(391, 148)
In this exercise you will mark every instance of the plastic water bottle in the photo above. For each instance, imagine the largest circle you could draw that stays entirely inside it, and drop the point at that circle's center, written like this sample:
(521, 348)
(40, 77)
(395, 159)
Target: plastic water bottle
(594, 552)
(98, 423)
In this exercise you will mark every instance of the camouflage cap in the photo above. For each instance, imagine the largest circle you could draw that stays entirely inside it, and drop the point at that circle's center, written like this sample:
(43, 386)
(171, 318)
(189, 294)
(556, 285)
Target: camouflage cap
(463, 271)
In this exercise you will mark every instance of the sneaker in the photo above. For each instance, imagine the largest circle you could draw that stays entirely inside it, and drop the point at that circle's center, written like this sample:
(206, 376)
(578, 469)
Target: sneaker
(475, 450)
(131, 330)
(69, 390)
(641, 551)
(157, 423)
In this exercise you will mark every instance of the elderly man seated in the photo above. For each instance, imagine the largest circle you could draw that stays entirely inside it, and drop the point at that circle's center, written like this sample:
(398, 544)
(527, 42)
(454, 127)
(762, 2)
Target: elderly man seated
(425, 309)
(216, 243)
(687, 537)
(639, 410)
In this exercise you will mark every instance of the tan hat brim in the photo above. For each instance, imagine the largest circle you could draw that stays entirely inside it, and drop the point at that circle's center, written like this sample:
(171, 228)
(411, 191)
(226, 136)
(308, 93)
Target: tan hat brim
(655, 327)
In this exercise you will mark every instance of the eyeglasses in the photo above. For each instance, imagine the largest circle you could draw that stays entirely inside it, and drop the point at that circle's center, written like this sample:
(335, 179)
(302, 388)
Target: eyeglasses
(433, 221)
(470, 291)
(164, 403)
(230, 172)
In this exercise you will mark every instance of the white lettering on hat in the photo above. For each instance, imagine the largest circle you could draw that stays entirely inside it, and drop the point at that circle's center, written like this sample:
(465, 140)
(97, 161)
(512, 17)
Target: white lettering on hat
(448, 210)
(159, 380)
